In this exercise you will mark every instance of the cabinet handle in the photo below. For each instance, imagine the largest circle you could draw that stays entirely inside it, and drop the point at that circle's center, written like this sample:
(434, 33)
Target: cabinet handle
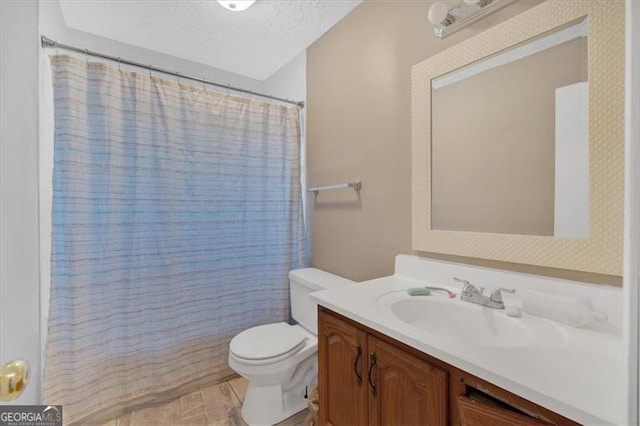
(355, 365)
(372, 362)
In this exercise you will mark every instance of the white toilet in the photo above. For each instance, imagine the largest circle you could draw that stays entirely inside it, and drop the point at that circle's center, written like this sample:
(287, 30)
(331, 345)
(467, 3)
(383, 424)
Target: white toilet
(280, 360)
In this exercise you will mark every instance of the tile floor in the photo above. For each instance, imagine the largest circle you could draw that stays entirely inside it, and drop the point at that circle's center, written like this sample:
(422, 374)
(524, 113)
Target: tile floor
(216, 405)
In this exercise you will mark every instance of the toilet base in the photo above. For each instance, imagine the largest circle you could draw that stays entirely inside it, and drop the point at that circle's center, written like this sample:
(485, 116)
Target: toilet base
(265, 405)
(270, 404)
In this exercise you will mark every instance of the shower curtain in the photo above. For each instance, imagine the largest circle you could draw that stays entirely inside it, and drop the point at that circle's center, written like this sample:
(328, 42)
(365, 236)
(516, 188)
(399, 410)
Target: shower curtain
(177, 215)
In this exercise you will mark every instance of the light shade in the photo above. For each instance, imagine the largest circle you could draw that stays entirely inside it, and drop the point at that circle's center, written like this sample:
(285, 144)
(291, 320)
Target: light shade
(236, 5)
(438, 13)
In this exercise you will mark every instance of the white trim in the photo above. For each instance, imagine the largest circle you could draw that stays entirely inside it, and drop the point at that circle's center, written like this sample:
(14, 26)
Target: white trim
(631, 280)
(580, 29)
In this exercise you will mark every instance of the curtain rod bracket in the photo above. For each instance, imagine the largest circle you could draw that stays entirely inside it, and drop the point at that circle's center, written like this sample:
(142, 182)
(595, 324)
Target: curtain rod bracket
(47, 42)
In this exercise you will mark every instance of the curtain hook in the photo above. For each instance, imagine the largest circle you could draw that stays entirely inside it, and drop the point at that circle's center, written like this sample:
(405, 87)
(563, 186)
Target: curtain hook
(204, 84)
(86, 55)
(178, 76)
(228, 92)
(150, 69)
(119, 64)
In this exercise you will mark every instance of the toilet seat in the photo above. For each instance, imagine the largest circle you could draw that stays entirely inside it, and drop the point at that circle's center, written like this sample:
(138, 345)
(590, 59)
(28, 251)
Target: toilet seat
(267, 343)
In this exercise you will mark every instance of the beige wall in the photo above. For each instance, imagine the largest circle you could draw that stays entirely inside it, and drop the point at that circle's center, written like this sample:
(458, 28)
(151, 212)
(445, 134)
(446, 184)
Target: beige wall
(359, 127)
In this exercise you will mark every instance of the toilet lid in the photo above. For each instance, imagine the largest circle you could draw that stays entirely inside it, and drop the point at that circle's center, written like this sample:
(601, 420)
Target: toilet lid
(267, 341)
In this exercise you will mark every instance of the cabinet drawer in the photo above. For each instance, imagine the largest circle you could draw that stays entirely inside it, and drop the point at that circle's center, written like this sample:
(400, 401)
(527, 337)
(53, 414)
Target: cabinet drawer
(476, 413)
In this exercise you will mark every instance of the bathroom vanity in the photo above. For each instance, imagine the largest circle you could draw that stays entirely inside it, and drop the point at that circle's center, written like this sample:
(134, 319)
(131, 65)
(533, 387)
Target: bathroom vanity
(386, 357)
(367, 378)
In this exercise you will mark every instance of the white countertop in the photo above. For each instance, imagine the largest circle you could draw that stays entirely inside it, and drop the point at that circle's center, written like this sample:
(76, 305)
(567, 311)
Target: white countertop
(582, 380)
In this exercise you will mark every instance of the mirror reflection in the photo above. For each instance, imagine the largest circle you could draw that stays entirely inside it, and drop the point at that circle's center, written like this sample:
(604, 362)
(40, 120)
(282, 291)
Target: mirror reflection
(510, 141)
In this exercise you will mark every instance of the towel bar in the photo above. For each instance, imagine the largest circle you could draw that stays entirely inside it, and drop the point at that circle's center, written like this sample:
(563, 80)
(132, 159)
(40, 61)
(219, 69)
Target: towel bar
(355, 185)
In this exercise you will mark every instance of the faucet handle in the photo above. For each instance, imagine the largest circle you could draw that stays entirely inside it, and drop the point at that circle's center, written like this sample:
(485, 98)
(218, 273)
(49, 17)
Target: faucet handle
(469, 288)
(496, 294)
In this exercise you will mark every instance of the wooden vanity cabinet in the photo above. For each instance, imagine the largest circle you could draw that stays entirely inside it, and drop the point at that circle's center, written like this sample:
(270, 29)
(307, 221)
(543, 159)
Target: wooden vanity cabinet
(342, 363)
(476, 402)
(403, 389)
(475, 413)
(367, 378)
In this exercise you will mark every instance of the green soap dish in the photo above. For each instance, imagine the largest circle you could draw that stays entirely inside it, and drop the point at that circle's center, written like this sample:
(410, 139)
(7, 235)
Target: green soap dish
(426, 291)
(419, 291)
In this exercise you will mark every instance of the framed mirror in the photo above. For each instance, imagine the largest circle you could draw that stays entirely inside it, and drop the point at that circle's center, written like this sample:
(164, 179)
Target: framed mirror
(518, 140)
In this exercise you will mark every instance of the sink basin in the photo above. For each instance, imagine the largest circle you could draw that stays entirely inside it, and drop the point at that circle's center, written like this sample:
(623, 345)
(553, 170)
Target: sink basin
(470, 323)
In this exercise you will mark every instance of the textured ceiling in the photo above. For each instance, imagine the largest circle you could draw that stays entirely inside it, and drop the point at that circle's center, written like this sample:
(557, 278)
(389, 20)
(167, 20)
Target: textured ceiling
(254, 43)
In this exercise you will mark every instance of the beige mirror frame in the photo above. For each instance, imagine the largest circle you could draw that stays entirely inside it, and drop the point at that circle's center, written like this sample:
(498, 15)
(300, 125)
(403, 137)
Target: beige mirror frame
(602, 252)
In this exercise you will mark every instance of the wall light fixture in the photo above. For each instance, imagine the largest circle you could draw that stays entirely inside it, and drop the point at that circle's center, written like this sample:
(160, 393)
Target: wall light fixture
(449, 17)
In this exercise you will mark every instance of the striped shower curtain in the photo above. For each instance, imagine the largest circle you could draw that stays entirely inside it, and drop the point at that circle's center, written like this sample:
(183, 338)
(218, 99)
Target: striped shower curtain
(177, 215)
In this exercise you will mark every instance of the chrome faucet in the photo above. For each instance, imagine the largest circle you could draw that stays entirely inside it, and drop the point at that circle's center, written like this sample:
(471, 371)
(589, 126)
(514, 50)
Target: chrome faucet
(473, 294)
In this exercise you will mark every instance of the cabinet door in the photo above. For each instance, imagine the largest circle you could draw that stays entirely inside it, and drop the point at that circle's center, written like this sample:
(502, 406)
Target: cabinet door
(342, 363)
(475, 413)
(404, 390)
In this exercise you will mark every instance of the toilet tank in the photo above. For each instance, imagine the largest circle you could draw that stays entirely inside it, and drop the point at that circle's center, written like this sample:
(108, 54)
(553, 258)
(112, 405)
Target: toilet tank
(303, 282)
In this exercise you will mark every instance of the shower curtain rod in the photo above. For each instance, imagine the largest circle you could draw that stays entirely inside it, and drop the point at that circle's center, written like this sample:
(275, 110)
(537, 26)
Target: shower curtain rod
(48, 43)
